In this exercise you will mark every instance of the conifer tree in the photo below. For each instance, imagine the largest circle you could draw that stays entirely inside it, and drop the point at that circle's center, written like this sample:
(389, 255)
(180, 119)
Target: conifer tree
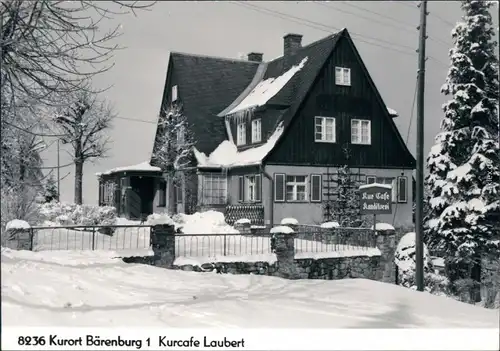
(464, 165)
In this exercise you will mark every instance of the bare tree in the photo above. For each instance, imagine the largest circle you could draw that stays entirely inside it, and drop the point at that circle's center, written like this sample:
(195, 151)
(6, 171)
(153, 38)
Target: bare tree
(174, 153)
(51, 48)
(85, 124)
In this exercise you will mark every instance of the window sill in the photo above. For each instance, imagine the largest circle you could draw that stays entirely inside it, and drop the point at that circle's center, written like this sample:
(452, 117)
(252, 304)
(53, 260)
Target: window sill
(162, 205)
(325, 141)
(297, 202)
(343, 84)
(361, 143)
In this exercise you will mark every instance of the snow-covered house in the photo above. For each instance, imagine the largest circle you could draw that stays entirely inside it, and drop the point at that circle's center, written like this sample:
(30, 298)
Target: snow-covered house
(271, 134)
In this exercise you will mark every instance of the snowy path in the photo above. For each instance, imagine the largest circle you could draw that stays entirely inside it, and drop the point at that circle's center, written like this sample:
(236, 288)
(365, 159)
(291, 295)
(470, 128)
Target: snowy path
(42, 290)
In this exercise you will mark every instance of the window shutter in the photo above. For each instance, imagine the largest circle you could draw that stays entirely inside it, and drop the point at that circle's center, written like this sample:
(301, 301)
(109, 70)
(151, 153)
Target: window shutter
(402, 190)
(241, 190)
(279, 187)
(394, 190)
(258, 187)
(315, 188)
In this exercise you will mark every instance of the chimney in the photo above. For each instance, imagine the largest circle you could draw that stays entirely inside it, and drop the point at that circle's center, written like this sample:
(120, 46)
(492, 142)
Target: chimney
(291, 43)
(255, 56)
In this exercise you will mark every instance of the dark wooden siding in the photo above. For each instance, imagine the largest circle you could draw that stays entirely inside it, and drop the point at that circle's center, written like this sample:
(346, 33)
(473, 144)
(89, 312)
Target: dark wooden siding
(268, 117)
(344, 103)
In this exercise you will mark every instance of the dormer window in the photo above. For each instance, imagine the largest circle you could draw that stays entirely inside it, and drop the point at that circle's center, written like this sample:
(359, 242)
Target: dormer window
(256, 131)
(241, 134)
(174, 93)
(342, 76)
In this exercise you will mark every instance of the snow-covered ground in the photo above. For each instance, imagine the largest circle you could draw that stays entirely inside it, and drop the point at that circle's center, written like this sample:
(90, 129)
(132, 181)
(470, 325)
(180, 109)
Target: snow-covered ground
(93, 289)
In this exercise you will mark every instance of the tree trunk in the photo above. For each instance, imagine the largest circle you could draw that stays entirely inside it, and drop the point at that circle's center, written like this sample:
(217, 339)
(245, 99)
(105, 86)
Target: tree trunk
(78, 181)
(476, 277)
(172, 203)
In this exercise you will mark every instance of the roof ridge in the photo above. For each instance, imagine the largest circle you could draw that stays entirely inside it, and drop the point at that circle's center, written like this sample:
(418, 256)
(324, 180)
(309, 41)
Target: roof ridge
(212, 57)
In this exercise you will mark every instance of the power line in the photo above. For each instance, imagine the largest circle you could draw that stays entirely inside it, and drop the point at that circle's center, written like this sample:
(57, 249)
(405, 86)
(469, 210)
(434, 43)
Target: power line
(349, 3)
(412, 30)
(365, 17)
(442, 19)
(34, 133)
(136, 120)
(321, 27)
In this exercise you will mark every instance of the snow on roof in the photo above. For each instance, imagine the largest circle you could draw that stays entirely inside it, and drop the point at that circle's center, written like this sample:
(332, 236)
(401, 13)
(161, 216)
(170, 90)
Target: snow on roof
(392, 112)
(372, 185)
(141, 167)
(266, 89)
(226, 155)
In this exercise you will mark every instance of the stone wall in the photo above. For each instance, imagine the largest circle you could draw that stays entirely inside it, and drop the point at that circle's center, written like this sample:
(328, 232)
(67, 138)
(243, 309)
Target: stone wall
(378, 267)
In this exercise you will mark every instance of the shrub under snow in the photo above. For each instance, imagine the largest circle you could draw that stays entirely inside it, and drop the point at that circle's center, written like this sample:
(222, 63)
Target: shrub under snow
(405, 259)
(73, 214)
(17, 224)
(209, 222)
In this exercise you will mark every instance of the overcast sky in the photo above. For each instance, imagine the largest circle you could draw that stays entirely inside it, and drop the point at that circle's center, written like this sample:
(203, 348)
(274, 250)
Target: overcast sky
(384, 32)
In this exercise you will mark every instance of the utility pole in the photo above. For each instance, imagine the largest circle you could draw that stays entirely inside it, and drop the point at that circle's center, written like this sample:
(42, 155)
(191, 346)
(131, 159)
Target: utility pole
(58, 173)
(419, 215)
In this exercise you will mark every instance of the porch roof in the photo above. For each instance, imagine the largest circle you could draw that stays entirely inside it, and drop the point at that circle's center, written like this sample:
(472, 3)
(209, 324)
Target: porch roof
(143, 167)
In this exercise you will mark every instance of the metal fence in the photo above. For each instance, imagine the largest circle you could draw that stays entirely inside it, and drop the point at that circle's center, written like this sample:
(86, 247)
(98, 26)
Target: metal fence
(79, 237)
(216, 245)
(316, 239)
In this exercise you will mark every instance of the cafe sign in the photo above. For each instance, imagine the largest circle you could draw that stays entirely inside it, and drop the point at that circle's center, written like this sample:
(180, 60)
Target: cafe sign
(376, 199)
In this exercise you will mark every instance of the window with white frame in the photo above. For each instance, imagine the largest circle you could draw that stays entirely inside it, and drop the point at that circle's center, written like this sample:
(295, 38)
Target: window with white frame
(256, 131)
(241, 134)
(392, 182)
(324, 129)
(371, 179)
(361, 132)
(342, 76)
(296, 188)
(174, 93)
(213, 189)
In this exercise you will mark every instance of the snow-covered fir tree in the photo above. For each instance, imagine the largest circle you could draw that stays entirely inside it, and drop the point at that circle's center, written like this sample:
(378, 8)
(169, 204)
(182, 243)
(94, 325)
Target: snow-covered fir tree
(346, 209)
(50, 190)
(464, 164)
(174, 153)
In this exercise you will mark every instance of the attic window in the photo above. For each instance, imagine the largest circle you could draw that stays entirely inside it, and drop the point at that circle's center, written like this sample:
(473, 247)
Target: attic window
(342, 76)
(256, 131)
(174, 93)
(241, 134)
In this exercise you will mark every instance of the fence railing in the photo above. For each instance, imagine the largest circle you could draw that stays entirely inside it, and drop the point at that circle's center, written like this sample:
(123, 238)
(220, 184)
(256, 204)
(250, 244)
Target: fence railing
(98, 237)
(317, 239)
(216, 245)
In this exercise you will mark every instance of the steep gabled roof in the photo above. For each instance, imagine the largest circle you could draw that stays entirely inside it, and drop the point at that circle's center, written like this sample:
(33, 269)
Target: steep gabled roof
(206, 85)
(304, 83)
